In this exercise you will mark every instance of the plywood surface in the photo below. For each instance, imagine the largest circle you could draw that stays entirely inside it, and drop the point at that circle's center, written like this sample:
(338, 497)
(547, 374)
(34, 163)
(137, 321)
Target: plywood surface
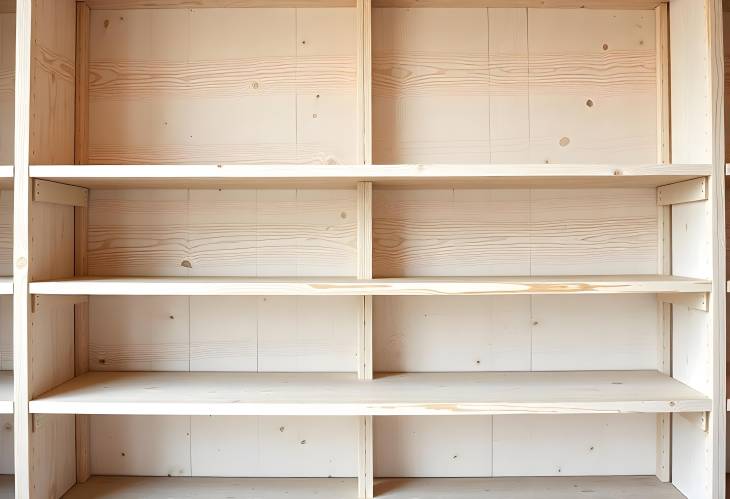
(466, 175)
(497, 78)
(388, 394)
(7, 85)
(213, 488)
(347, 287)
(258, 85)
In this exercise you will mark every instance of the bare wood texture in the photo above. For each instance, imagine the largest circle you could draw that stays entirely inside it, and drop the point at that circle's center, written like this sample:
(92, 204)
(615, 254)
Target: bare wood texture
(223, 232)
(450, 232)
(181, 92)
(7, 84)
(81, 120)
(56, 193)
(664, 141)
(199, 286)
(496, 99)
(203, 4)
(560, 4)
(389, 394)
(214, 333)
(683, 192)
(52, 82)
(322, 488)
(6, 232)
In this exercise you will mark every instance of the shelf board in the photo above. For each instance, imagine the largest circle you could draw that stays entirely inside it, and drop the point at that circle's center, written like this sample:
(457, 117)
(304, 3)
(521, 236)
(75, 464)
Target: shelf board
(6, 285)
(508, 176)
(614, 487)
(214, 488)
(342, 394)
(6, 393)
(323, 286)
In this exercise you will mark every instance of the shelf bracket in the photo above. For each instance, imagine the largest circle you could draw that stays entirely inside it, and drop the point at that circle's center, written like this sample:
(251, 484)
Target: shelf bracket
(705, 422)
(697, 301)
(688, 191)
(45, 191)
(38, 301)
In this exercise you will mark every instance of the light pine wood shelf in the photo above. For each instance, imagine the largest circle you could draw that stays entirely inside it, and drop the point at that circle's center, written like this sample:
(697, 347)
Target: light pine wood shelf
(184, 393)
(163, 4)
(493, 175)
(320, 286)
(6, 285)
(636, 487)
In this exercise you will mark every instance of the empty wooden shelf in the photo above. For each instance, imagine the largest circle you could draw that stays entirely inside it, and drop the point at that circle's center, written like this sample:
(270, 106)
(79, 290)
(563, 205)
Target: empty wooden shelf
(388, 394)
(324, 488)
(231, 220)
(343, 287)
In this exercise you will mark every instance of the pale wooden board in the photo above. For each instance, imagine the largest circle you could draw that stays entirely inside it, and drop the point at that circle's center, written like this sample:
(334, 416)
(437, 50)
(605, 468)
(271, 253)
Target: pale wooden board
(484, 333)
(605, 57)
(691, 471)
(216, 488)
(569, 445)
(50, 346)
(7, 86)
(51, 241)
(436, 446)
(223, 333)
(403, 488)
(52, 455)
(540, 333)
(451, 232)
(279, 446)
(6, 232)
(526, 488)
(496, 98)
(466, 175)
(223, 85)
(7, 466)
(6, 332)
(692, 239)
(395, 394)
(52, 82)
(160, 4)
(223, 232)
(140, 445)
(6, 392)
(561, 285)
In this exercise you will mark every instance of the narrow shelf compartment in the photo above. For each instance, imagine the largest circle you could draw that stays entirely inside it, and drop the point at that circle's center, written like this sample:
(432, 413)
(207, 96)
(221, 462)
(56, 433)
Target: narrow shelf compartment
(322, 286)
(298, 394)
(634, 487)
(485, 175)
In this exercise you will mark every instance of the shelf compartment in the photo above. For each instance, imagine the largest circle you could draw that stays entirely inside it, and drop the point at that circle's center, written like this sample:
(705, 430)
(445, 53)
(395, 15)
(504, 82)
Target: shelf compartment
(6, 285)
(636, 487)
(198, 286)
(184, 393)
(493, 175)
(214, 488)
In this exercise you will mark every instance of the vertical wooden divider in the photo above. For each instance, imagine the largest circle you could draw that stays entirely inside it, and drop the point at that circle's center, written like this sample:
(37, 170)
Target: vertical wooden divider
(81, 310)
(364, 240)
(713, 9)
(21, 298)
(664, 238)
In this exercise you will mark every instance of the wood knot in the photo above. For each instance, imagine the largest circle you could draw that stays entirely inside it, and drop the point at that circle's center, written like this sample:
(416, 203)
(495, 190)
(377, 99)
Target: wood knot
(186, 264)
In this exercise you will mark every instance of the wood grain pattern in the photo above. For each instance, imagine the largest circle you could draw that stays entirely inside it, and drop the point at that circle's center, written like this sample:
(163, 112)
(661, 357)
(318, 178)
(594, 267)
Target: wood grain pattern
(207, 4)
(560, 4)
(585, 392)
(537, 232)
(223, 333)
(263, 85)
(470, 67)
(223, 232)
(7, 86)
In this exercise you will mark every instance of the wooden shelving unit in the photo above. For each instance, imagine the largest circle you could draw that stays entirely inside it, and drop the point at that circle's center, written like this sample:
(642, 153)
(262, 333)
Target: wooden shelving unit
(343, 249)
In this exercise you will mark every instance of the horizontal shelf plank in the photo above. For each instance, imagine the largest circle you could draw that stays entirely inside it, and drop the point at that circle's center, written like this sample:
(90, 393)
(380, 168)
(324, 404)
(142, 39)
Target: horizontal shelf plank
(6, 394)
(6, 285)
(176, 4)
(537, 175)
(342, 394)
(218, 286)
(612, 487)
